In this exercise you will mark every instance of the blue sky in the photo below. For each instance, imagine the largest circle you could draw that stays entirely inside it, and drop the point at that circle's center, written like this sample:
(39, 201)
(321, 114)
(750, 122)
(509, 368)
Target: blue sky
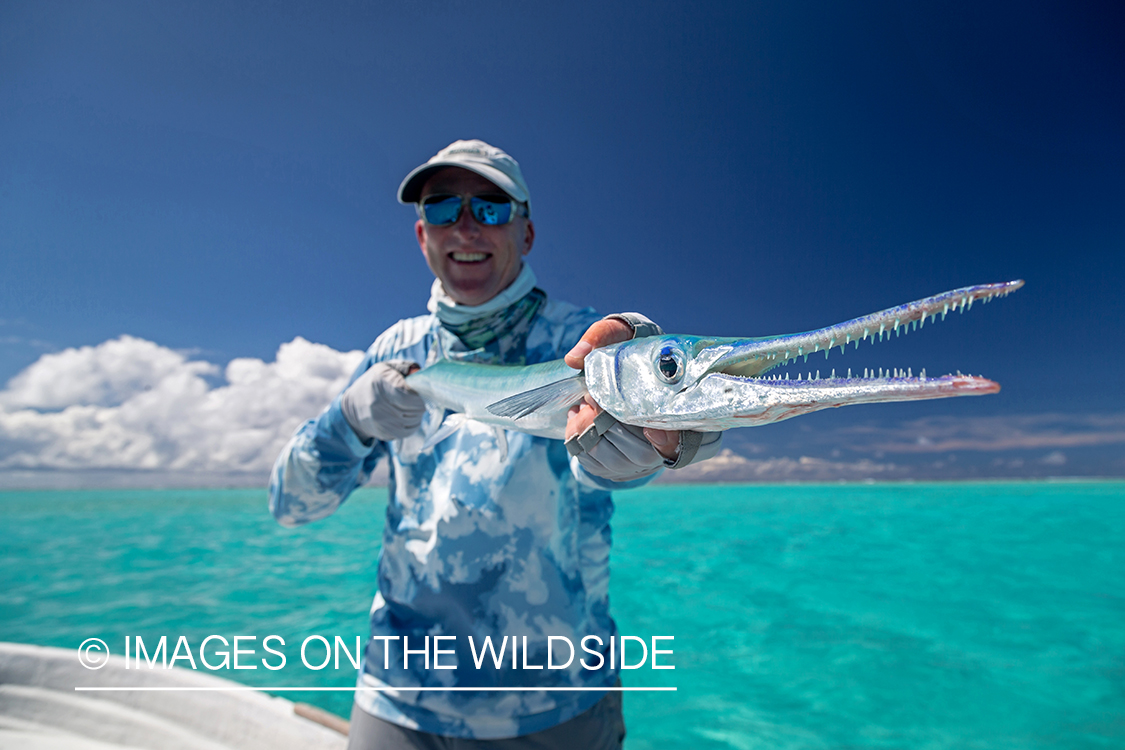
(219, 180)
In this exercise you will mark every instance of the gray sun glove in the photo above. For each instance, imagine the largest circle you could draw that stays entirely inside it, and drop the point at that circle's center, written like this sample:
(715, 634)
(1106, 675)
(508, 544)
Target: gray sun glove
(621, 452)
(696, 447)
(380, 406)
(641, 325)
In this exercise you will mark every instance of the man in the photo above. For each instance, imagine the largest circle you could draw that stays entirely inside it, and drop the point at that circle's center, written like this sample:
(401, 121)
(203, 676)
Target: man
(489, 534)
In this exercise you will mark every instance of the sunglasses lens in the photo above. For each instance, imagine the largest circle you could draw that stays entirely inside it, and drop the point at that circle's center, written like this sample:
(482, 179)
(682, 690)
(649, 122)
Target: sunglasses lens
(492, 210)
(442, 210)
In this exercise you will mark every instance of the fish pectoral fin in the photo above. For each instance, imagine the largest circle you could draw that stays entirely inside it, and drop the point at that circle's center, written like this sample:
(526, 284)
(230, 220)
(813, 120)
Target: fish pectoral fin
(501, 442)
(559, 395)
(451, 424)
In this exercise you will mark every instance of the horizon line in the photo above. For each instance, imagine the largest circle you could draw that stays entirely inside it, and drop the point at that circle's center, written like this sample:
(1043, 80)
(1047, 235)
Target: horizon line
(249, 688)
(1057, 478)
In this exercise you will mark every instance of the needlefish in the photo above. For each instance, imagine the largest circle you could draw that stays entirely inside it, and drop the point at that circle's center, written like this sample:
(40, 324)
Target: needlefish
(706, 383)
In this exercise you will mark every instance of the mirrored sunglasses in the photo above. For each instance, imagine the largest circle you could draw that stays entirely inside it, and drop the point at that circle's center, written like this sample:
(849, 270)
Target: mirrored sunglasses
(491, 210)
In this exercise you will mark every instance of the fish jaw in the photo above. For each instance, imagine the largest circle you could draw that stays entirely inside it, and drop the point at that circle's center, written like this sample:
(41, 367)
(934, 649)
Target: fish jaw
(723, 402)
(624, 385)
(759, 355)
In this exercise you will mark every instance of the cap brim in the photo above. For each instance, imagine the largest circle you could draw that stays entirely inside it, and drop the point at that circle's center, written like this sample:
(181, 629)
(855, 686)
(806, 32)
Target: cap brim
(411, 188)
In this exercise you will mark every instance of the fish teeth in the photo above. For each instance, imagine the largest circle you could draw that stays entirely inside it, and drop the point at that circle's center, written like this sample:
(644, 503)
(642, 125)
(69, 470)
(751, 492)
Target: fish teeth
(880, 326)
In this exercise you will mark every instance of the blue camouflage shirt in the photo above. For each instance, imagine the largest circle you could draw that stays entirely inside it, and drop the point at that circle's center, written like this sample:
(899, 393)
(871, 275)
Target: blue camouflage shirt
(481, 541)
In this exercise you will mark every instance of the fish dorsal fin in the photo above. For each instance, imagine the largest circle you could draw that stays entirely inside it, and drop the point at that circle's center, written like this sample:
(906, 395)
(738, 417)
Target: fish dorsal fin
(559, 395)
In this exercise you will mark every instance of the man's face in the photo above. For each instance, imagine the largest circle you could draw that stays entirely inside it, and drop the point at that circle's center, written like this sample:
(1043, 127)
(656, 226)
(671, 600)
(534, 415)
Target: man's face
(475, 262)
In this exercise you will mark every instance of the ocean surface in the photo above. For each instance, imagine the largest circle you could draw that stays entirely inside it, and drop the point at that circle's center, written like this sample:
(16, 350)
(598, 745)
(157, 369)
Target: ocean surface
(859, 616)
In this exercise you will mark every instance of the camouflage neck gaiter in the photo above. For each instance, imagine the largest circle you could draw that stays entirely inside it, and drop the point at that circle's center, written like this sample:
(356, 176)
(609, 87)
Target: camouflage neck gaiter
(501, 336)
(496, 331)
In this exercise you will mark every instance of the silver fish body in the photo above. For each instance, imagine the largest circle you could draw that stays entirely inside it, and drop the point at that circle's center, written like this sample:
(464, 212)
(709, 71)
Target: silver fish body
(676, 382)
(469, 389)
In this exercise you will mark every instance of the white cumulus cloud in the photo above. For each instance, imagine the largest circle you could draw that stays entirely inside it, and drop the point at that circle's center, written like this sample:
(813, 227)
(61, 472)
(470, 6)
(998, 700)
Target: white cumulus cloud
(130, 404)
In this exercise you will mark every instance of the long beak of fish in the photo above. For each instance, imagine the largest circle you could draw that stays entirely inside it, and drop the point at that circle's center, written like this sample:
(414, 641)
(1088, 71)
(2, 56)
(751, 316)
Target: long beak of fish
(722, 365)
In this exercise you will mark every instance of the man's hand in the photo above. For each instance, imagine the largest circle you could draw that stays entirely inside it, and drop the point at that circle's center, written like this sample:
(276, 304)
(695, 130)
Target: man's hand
(379, 406)
(580, 417)
(602, 333)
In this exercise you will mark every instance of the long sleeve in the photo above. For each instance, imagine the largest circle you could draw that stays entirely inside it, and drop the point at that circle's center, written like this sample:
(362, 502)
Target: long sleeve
(323, 462)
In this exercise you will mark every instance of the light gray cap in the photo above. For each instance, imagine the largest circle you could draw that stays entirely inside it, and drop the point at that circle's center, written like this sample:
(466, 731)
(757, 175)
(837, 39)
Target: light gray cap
(476, 156)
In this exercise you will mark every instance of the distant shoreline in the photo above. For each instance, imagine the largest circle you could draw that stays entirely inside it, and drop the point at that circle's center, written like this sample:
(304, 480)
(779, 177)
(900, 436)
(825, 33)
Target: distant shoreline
(138, 483)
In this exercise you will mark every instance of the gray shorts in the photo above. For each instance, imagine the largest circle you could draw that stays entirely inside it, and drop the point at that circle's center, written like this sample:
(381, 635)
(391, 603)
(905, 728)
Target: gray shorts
(600, 727)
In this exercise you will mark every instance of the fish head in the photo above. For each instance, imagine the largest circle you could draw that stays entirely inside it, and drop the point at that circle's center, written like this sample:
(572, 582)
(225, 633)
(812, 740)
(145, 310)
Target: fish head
(667, 382)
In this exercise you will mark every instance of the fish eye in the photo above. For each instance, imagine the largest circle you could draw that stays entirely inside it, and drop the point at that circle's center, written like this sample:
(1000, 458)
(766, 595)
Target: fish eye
(669, 365)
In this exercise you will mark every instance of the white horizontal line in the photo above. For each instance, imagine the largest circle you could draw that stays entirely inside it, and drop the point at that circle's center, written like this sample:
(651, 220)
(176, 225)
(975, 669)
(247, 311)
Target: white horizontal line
(121, 689)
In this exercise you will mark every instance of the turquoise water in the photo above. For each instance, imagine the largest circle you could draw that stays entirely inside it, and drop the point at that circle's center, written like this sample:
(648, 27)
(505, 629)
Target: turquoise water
(874, 616)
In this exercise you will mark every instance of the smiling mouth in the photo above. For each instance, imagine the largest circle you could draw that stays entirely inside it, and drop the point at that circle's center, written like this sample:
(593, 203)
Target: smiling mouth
(469, 257)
